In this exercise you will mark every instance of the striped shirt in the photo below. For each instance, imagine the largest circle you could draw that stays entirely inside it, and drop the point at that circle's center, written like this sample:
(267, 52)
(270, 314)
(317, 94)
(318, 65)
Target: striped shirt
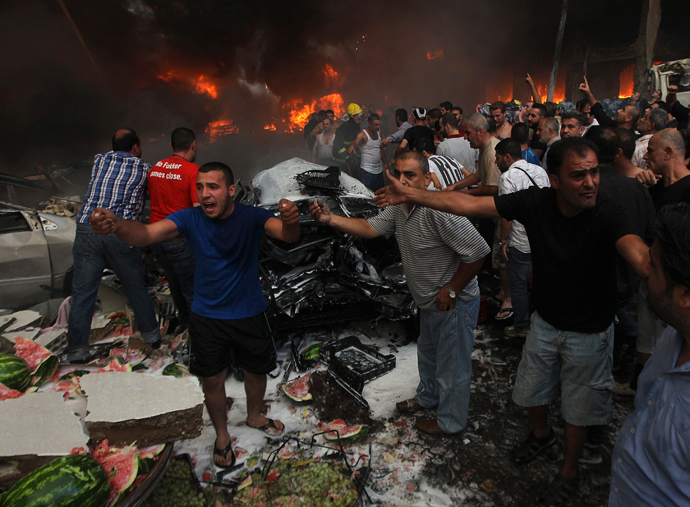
(118, 183)
(432, 246)
(447, 169)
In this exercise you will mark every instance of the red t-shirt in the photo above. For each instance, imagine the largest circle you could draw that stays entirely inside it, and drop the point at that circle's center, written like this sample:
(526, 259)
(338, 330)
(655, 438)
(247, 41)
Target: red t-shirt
(172, 187)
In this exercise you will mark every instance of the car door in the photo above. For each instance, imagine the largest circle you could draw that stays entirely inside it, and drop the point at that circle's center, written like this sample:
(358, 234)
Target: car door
(24, 261)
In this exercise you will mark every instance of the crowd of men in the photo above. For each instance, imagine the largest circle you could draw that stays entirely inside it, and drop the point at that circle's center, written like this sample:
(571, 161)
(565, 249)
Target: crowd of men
(579, 212)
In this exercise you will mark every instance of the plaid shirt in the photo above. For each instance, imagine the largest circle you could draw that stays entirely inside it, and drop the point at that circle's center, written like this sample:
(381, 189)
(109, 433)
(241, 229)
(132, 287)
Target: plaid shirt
(118, 183)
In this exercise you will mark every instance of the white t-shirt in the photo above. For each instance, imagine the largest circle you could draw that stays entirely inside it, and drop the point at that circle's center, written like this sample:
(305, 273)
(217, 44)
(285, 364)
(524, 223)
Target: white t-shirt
(514, 180)
(447, 169)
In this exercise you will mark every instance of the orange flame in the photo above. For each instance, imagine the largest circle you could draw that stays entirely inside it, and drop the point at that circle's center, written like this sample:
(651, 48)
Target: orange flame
(299, 112)
(270, 127)
(627, 82)
(203, 85)
(434, 55)
(332, 77)
(558, 91)
(220, 128)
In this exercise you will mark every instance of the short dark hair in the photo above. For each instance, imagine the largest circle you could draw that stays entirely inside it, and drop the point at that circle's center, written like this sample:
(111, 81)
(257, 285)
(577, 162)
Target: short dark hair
(606, 140)
(321, 113)
(492, 125)
(551, 109)
(559, 150)
(434, 113)
(182, 138)
(125, 141)
(458, 108)
(498, 105)
(510, 147)
(450, 119)
(447, 105)
(415, 155)
(330, 111)
(673, 234)
(580, 105)
(520, 132)
(401, 113)
(541, 107)
(626, 141)
(662, 105)
(219, 166)
(374, 116)
(424, 144)
(575, 115)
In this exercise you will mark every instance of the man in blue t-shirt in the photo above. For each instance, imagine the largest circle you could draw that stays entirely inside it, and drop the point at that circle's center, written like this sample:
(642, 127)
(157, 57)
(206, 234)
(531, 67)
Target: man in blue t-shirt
(228, 309)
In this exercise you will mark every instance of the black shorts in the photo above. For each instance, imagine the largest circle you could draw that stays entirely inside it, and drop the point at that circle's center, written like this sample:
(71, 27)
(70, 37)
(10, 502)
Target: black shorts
(214, 340)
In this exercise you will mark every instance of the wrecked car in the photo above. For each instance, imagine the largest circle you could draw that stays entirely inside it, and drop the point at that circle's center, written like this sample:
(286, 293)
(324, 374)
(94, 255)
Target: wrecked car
(327, 277)
(36, 252)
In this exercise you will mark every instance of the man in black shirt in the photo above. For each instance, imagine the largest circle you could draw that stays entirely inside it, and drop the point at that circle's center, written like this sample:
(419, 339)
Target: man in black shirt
(418, 131)
(574, 238)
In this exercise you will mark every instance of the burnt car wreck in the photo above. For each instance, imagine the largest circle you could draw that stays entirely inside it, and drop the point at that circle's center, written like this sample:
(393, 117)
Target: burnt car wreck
(327, 276)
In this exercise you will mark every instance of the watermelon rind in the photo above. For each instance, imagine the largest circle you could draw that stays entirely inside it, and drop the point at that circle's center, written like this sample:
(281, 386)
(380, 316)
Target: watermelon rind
(46, 370)
(361, 432)
(14, 372)
(307, 397)
(72, 374)
(311, 353)
(66, 481)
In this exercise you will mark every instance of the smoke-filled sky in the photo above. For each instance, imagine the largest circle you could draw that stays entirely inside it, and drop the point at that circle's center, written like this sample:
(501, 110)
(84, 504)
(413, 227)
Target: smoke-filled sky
(148, 55)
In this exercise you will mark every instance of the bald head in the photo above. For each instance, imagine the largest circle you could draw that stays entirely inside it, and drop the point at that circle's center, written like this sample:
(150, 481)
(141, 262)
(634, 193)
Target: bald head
(128, 141)
(666, 153)
(673, 139)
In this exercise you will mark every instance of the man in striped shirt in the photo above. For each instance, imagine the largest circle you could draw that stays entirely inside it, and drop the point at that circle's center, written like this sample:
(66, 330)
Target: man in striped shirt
(118, 183)
(441, 256)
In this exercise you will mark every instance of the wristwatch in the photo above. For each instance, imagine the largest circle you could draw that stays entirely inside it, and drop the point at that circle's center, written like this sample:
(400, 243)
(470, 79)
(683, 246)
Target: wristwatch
(450, 292)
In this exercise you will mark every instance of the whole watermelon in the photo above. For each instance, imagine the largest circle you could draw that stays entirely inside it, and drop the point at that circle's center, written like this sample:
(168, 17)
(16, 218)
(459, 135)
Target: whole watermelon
(67, 481)
(14, 372)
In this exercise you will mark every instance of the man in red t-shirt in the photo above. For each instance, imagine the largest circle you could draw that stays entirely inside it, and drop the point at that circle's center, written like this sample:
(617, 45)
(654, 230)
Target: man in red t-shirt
(172, 187)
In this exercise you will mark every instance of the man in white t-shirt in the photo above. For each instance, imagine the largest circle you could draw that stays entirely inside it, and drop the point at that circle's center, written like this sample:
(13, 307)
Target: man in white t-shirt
(517, 174)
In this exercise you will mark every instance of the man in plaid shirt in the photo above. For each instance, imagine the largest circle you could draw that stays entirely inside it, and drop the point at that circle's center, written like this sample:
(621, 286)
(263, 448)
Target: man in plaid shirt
(118, 183)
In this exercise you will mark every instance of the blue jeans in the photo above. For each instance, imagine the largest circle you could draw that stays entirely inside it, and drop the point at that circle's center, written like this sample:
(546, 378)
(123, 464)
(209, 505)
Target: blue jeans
(444, 359)
(372, 181)
(177, 261)
(518, 272)
(92, 254)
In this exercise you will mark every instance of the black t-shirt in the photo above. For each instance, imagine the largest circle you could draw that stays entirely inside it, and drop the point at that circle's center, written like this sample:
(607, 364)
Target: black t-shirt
(676, 192)
(573, 258)
(536, 144)
(418, 132)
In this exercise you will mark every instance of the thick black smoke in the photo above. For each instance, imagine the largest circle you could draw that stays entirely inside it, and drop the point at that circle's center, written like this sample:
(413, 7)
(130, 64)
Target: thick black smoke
(261, 54)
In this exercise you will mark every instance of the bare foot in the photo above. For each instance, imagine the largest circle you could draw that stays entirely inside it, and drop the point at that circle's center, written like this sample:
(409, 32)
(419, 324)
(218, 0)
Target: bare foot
(268, 426)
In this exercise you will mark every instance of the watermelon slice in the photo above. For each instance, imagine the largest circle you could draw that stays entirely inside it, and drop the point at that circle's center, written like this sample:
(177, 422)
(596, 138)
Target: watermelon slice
(151, 452)
(6, 393)
(114, 366)
(298, 389)
(121, 465)
(42, 363)
(354, 432)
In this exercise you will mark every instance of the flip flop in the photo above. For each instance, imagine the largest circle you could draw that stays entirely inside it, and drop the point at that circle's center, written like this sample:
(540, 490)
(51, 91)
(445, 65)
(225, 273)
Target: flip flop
(270, 425)
(504, 314)
(223, 454)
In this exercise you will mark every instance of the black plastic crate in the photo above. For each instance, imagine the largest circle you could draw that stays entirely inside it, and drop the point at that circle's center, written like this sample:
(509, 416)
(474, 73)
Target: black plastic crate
(326, 179)
(354, 362)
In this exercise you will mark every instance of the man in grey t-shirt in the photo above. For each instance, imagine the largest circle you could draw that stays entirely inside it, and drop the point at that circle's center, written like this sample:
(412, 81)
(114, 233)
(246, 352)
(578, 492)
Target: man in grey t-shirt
(441, 255)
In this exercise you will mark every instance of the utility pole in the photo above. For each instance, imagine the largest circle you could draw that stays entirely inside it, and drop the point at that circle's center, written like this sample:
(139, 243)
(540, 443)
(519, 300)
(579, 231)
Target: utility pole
(557, 55)
(650, 17)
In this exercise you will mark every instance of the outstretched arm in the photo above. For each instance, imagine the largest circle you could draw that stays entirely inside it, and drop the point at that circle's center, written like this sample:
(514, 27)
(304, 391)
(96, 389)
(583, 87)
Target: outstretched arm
(287, 227)
(359, 227)
(533, 89)
(104, 221)
(458, 203)
(587, 92)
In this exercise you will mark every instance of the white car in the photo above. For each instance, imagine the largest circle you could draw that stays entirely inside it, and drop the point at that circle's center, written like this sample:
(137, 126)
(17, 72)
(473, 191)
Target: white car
(35, 256)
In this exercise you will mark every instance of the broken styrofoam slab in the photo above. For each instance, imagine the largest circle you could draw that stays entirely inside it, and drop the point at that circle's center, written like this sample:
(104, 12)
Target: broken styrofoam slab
(47, 338)
(124, 396)
(5, 321)
(26, 334)
(39, 424)
(23, 319)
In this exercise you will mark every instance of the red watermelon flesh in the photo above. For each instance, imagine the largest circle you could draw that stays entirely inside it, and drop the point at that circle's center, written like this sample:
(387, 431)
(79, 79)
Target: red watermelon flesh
(113, 366)
(6, 393)
(42, 363)
(151, 452)
(121, 465)
(298, 389)
(345, 431)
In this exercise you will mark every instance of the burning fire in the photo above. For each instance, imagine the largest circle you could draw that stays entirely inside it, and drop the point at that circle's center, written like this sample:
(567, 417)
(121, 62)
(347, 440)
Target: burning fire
(299, 112)
(220, 128)
(558, 91)
(332, 77)
(270, 127)
(201, 84)
(627, 82)
(434, 55)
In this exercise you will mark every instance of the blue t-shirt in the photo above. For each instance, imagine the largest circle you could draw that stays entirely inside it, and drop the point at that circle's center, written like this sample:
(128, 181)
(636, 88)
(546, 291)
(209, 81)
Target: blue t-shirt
(226, 258)
(530, 156)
